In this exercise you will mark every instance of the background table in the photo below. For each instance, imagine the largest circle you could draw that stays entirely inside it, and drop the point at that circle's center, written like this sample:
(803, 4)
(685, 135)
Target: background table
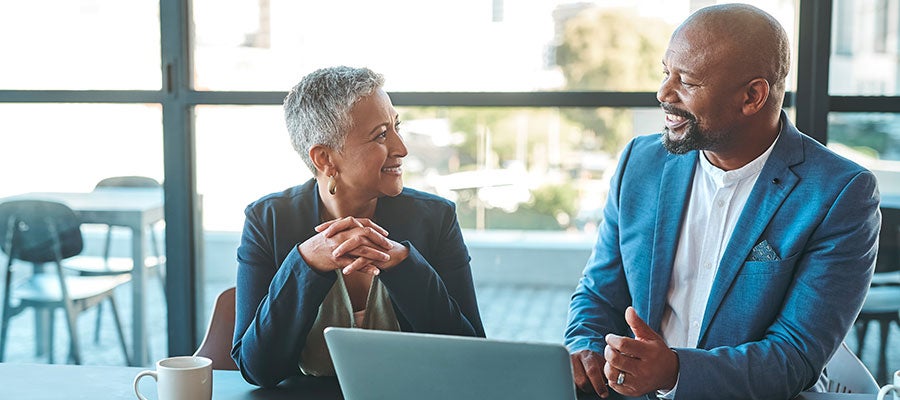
(134, 208)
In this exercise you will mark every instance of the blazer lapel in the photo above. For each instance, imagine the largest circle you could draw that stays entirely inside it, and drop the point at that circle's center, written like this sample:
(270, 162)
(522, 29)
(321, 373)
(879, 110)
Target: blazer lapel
(674, 192)
(775, 182)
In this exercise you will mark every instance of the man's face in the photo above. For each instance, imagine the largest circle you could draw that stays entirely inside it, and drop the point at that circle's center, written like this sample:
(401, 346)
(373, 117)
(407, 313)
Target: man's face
(699, 93)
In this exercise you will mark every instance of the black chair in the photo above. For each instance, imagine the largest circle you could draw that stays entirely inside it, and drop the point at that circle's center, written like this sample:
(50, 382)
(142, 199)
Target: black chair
(40, 232)
(108, 266)
(882, 303)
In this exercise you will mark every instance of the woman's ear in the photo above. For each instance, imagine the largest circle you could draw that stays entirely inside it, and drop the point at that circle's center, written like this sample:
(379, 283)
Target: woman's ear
(321, 157)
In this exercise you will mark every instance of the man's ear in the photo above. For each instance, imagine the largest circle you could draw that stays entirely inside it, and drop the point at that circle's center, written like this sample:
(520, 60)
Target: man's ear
(756, 94)
(322, 158)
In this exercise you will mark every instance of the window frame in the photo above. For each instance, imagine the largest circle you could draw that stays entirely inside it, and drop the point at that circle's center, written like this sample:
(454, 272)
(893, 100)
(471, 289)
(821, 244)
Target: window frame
(184, 280)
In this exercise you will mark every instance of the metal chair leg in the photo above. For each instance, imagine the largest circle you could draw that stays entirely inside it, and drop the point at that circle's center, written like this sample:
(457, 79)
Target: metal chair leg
(41, 321)
(885, 326)
(6, 309)
(97, 323)
(72, 325)
(47, 334)
(862, 327)
(115, 313)
(4, 332)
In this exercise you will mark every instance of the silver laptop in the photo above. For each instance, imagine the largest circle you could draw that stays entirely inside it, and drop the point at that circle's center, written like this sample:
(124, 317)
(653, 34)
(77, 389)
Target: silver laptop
(399, 366)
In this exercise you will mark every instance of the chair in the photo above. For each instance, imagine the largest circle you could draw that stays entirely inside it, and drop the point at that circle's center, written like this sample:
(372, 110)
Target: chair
(119, 265)
(882, 304)
(105, 266)
(847, 374)
(217, 342)
(132, 182)
(41, 232)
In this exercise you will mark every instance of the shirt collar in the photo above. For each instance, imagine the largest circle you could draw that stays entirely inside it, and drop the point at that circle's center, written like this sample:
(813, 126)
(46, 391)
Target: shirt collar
(727, 178)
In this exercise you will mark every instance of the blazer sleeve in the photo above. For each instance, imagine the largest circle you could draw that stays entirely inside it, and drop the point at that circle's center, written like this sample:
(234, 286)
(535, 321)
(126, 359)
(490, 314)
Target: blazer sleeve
(830, 282)
(276, 306)
(436, 294)
(599, 302)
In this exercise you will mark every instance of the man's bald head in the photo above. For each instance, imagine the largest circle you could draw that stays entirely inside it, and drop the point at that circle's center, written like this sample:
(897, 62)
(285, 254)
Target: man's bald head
(749, 42)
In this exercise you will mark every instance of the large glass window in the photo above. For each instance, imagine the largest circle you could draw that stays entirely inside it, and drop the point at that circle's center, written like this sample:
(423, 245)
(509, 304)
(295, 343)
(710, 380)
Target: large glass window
(80, 44)
(529, 183)
(864, 59)
(470, 45)
(71, 147)
(61, 152)
(873, 141)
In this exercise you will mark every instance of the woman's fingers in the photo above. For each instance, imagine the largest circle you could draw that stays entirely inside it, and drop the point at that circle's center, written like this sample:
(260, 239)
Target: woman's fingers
(371, 224)
(361, 265)
(331, 228)
(354, 244)
(361, 237)
(363, 250)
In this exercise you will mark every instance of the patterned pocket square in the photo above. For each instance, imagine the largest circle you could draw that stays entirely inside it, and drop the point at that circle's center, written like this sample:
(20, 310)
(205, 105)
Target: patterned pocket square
(763, 252)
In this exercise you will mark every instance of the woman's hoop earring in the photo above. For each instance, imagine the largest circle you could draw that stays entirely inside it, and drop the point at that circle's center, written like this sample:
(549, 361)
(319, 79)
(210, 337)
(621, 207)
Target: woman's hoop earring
(332, 185)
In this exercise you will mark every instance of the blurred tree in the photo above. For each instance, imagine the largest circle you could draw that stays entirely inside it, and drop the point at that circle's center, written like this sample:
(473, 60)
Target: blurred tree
(610, 50)
(870, 137)
(557, 200)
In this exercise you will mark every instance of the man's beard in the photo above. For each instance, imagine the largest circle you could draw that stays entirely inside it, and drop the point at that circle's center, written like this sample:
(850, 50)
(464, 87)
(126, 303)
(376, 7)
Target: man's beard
(694, 137)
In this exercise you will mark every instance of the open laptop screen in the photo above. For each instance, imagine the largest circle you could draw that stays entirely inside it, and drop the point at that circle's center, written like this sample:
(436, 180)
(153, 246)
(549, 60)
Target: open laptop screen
(396, 365)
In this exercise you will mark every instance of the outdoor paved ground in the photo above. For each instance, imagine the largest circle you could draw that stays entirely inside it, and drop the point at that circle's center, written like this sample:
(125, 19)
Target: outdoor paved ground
(509, 312)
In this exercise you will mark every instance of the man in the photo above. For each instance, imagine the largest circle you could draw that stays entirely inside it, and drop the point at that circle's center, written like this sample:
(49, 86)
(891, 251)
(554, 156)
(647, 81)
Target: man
(735, 252)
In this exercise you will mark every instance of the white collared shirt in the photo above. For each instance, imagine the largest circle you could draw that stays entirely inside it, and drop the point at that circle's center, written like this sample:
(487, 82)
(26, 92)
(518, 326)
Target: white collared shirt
(717, 199)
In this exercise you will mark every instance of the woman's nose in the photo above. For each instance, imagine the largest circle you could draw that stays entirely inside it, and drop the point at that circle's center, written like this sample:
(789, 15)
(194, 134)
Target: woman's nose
(398, 147)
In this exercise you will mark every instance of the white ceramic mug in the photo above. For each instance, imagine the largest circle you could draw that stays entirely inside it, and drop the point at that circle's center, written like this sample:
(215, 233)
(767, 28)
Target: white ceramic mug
(889, 388)
(180, 378)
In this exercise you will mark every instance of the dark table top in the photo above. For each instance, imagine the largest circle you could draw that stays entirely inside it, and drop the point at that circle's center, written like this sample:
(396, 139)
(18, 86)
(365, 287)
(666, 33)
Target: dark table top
(71, 382)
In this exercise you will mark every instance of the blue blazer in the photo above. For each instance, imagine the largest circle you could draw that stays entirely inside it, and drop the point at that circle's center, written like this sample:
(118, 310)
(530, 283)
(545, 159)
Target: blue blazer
(769, 326)
(278, 294)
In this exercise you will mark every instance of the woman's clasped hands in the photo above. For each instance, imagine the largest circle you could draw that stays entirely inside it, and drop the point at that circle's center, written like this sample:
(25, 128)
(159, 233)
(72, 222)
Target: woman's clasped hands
(352, 244)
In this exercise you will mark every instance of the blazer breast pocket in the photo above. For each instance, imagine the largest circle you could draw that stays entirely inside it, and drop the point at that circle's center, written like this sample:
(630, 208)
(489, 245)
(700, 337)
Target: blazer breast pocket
(763, 251)
(769, 267)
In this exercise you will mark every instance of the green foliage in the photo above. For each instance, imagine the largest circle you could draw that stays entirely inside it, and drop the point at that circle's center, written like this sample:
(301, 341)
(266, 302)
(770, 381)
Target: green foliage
(510, 130)
(868, 136)
(610, 50)
(555, 200)
(495, 218)
(552, 207)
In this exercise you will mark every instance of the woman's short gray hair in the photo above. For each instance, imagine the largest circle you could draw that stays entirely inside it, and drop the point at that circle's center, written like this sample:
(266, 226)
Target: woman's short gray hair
(317, 110)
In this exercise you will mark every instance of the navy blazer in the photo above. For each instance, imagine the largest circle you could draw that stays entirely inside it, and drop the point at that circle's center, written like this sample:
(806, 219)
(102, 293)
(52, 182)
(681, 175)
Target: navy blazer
(769, 326)
(278, 294)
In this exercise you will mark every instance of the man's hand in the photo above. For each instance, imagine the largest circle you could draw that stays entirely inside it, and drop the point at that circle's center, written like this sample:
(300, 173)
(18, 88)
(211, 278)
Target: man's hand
(587, 369)
(645, 363)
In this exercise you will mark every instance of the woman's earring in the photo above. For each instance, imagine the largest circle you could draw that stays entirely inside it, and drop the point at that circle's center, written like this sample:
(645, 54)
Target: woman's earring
(332, 185)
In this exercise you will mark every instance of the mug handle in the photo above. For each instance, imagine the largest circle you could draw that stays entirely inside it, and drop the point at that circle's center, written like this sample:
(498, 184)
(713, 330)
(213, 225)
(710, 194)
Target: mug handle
(885, 390)
(138, 378)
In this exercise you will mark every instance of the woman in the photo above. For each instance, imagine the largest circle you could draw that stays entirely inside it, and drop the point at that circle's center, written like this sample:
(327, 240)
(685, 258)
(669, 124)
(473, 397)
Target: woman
(351, 247)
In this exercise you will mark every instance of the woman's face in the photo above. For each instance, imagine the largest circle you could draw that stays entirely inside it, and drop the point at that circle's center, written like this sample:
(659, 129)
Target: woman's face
(369, 166)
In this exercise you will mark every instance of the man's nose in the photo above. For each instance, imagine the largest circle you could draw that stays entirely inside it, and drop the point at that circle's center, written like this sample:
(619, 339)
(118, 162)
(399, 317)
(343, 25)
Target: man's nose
(665, 94)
